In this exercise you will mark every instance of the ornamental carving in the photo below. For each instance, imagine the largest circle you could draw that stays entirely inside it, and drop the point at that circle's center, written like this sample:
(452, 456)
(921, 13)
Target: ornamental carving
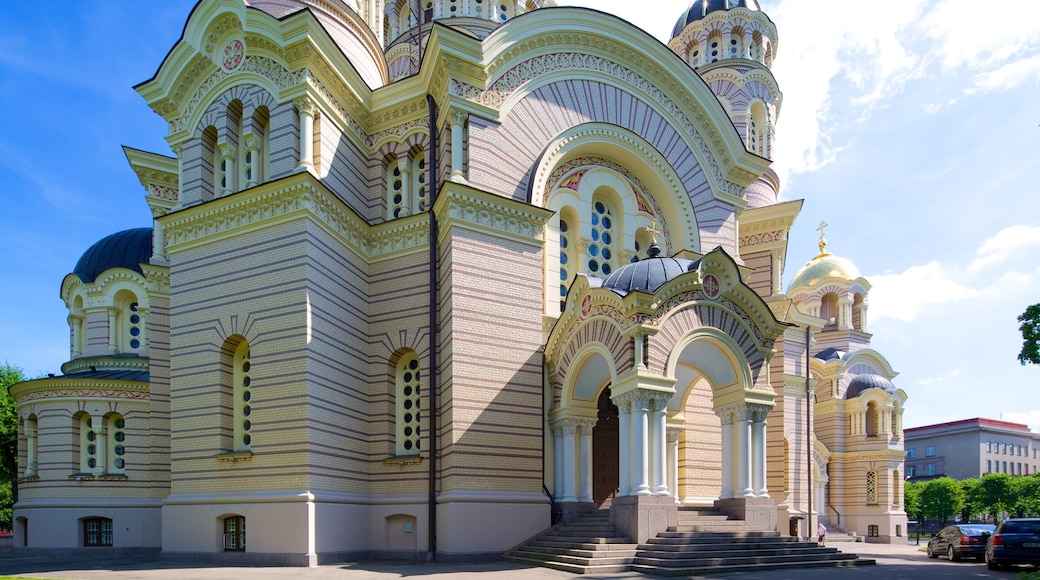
(162, 192)
(761, 238)
(528, 70)
(234, 53)
(83, 394)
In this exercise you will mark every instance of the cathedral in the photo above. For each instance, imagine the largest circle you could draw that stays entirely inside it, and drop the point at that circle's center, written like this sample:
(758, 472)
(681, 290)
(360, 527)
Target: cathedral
(426, 277)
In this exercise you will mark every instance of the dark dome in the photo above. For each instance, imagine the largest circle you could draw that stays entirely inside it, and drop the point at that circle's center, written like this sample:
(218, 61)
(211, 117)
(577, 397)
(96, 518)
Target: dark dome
(700, 8)
(648, 274)
(861, 383)
(829, 354)
(127, 249)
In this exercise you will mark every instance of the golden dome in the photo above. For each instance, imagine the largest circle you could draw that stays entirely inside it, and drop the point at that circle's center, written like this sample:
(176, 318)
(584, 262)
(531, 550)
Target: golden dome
(824, 266)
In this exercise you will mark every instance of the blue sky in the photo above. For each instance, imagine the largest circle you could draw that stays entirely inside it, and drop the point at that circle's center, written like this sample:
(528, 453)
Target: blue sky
(911, 128)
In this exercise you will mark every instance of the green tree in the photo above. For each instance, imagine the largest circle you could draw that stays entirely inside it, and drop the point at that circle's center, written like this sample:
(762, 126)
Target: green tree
(1025, 493)
(995, 493)
(9, 375)
(1030, 329)
(912, 499)
(972, 503)
(942, 497)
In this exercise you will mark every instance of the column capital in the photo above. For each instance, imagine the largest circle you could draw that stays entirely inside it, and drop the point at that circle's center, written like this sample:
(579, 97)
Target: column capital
(459, 117)
(571, 425)
(306, 105)
(673, 434)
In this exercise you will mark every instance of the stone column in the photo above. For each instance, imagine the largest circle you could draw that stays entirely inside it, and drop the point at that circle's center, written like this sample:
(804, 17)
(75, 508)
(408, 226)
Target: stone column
(659, 444)
(557, 430)
(584, 428)
(640, 455)
(778, 265)
(624, 446)
(101, 443)
(743, 455)
(726, 416)
(113, 328)
(569, 461)
(673, 461)
(307, 109)
(758, 450)
(226, 183)
(458, 122)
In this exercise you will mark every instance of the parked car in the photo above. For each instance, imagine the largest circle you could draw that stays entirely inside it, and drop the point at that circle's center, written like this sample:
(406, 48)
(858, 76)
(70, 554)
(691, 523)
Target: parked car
(960, 541)
(1015, 541)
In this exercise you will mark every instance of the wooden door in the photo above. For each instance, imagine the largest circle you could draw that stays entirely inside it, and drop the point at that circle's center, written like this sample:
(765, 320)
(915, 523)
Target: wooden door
(605, 464)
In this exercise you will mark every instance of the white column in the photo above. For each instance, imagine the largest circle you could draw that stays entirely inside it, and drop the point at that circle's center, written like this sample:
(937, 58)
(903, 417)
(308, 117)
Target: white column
(659, 444)
(570, 470)
(624, 446)
(585, 460)
(640, 456)
(758, 452)
(743, 424)
(458, 120)
(727, 454)
(673, 461)
(113, 314)
(101, 442)
(557, 430)
(307, 110)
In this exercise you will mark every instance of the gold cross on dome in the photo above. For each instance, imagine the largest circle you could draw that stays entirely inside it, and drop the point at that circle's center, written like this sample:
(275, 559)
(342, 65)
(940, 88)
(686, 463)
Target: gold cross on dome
(653, 230)
(823, 235)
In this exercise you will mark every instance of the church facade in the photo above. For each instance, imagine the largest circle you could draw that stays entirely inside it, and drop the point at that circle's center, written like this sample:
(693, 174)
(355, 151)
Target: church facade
(426, 277)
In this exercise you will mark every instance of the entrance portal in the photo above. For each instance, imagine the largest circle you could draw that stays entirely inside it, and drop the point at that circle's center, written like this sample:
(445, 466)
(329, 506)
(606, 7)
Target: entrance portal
(605, 466)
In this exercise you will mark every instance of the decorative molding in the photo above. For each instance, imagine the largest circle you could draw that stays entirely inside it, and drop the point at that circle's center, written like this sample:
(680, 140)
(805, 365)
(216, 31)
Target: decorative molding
(459, 205)
(234, 457)
(503, 87)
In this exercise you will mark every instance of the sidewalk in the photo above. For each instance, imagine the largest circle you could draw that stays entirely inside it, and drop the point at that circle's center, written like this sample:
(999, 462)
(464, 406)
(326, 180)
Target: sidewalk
(893, 562)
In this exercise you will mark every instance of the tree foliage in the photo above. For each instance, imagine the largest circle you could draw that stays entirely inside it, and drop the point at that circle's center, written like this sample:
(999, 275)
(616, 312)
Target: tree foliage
(942, 498)
(912, 500)
(995, 491)
(9, 375)
(1030, 329)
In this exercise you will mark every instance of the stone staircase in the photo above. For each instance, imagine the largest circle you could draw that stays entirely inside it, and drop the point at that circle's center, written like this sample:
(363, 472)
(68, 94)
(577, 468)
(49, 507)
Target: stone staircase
(704, 542)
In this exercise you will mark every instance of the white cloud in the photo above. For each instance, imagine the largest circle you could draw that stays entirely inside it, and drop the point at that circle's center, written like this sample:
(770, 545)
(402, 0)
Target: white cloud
(906, 295)
(1005, 77)
(1005, 245)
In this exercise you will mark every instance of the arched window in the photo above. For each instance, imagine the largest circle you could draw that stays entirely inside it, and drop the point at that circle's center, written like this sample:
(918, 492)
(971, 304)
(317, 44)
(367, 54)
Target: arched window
(756, 46)
(694, 54)
(77, 327)
(234, 534)
(714, 47)
(396, 204)
(404, 21)
(32, 453)
(872, 480)
(569, 257)
(897, 485)
(209, 158)
(88, 443)
(116, 443)
(829, 310)
(858, 313)
(129, 323)
(419, 182)
(227, 178)
(604, 231)
(757, 130)
(97, 532)
(255, 148)
(872, 419)
(408, 401)
(242, 397)
(736, 43)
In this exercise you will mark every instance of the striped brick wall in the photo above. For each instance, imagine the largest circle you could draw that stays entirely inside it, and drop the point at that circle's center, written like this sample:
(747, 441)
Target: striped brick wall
(159, 392)
(492, 435)
(761, 279)
(700, 449)
(696, 316)
(511, 149)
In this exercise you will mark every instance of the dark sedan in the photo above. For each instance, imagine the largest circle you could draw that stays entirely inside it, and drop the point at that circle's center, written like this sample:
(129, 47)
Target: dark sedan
(960, 541)
(1015, 541)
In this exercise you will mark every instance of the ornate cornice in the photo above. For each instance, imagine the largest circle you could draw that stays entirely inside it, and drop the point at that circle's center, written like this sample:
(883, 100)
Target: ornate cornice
(158, 279)
(78, 389)
(285, 200)
(460, 205)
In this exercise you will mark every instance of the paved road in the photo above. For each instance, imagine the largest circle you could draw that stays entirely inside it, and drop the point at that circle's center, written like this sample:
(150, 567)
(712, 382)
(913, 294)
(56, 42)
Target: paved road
(899, 562)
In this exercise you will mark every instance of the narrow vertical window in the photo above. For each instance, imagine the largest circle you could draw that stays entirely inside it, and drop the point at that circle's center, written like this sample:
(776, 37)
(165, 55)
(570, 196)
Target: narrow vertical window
(395, 206)
(88, 443)
(242, 394)
(408, 402)
(116, 443)
(567, 262)
(871, 488)
(601, 250)
(419, 183)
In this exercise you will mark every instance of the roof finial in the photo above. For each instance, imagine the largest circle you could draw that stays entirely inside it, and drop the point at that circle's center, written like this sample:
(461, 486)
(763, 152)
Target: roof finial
(654, 250)
(823, 236)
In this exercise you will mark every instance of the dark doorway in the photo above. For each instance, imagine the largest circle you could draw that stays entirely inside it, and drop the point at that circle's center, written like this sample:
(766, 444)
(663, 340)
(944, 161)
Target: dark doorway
(605, 465)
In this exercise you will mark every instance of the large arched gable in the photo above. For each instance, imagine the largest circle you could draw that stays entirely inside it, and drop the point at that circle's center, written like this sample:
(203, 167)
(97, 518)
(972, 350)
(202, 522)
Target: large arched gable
(574, 351)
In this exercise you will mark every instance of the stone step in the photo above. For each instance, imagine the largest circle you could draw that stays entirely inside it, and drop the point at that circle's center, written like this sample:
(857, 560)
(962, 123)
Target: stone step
(584, 539)
(579, 545)
(572, 568)
(676, 555)
(695, 570)
(615, 550)
(735, 561)
(613, 559)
